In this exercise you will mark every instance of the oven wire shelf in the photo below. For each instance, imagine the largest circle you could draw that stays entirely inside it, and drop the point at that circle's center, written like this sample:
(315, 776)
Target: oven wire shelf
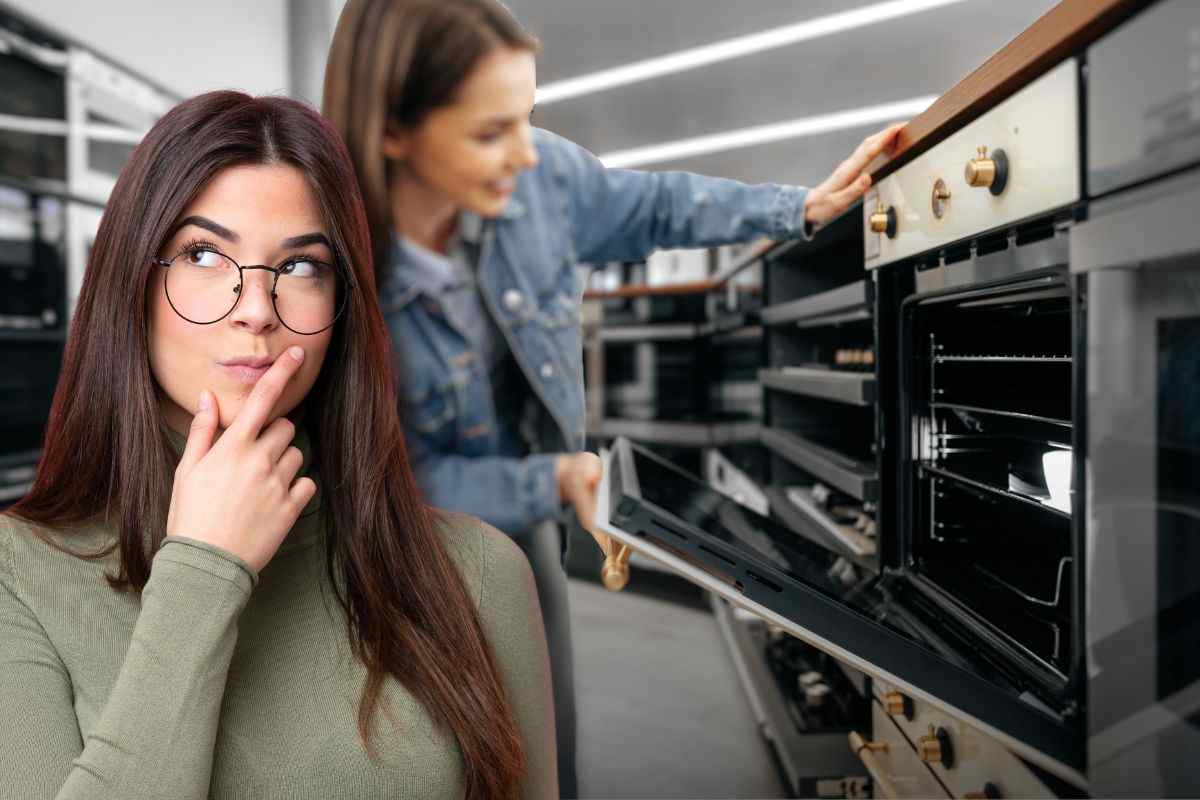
(1021, 415)
(1030, 359)
(933, 469)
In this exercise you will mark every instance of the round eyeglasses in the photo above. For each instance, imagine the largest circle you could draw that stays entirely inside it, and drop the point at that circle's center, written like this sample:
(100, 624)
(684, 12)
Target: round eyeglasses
(204, 285)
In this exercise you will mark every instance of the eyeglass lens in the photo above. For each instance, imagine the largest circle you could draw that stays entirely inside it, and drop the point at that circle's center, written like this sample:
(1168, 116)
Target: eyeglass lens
(203, 286)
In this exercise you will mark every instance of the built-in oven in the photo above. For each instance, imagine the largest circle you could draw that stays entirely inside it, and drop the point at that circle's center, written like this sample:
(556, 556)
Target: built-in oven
(882, 624)
(1039, 582)
(987, 533)
(973, 607)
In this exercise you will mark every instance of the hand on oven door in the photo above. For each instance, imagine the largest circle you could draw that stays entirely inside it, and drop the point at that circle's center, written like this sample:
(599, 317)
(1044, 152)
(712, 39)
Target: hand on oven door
(578, 477)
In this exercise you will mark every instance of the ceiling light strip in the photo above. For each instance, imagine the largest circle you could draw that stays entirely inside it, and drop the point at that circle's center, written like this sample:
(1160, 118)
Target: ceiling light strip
(732, 48)
(762, 134)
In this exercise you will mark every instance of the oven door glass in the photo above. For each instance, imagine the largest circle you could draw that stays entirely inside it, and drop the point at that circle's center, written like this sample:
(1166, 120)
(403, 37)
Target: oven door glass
(882, 624)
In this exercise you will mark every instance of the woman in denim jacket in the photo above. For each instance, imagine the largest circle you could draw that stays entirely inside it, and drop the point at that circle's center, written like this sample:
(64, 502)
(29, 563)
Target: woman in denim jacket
(478, 222)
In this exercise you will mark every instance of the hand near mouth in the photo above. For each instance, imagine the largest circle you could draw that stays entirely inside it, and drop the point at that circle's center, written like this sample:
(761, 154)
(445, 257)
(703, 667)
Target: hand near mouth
(240, 493)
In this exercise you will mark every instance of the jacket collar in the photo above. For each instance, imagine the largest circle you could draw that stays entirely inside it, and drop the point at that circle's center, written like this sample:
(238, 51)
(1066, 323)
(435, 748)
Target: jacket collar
(401, 286)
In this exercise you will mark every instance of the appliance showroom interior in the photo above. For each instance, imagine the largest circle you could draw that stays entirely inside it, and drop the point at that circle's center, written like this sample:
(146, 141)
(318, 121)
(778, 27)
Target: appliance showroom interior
(903, 510)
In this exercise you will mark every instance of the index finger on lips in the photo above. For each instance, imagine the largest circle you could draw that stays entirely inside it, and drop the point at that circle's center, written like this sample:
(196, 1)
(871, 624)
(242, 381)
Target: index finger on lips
(266, 393)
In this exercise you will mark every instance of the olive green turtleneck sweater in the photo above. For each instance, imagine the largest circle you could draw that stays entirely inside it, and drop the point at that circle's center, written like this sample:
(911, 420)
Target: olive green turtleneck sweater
(219, 682)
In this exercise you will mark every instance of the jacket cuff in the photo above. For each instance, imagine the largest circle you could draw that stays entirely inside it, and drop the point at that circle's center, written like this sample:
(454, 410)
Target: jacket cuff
(538, 488)
(790, 221)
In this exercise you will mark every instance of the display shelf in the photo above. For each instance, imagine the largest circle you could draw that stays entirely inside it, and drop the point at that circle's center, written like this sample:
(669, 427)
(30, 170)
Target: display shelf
(856, 479)
(854, 388)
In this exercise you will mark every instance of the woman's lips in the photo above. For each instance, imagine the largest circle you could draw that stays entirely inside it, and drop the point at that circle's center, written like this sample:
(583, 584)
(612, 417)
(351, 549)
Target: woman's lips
(502, 188)
(246, 370)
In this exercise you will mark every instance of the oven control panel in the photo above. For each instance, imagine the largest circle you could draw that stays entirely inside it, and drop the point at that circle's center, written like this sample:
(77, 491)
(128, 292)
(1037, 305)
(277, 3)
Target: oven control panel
(1019, 160)
(964, 760)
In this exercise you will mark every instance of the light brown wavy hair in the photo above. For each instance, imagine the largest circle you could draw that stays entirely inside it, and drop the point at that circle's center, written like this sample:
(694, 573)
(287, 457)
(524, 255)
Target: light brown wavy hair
(394, 61)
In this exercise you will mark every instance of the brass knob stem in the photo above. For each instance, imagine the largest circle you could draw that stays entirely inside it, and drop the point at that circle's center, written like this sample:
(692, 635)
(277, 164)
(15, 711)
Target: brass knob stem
(990, 172)
(935, 748)
(980, 171)
(940, 198)
(615, 572)
(883, 220)
(898, 705)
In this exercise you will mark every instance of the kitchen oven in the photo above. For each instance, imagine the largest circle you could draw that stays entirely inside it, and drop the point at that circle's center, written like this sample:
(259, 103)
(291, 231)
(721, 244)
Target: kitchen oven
(1033, 628)
(974, 605)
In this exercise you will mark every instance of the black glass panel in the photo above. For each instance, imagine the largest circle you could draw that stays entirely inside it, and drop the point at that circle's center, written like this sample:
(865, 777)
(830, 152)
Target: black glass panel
(1178, 503)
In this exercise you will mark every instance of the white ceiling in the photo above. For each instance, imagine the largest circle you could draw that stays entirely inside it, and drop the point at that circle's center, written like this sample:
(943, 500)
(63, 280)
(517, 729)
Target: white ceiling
(922, 54)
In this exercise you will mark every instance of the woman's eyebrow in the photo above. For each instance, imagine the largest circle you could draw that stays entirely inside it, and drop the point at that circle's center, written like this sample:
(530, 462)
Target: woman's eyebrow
(307, 239)
(209, 225)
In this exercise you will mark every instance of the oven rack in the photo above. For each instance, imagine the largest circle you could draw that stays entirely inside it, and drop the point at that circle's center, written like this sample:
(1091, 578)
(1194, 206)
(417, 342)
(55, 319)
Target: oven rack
(932, 469)
(1026, 359)
(1019, 415)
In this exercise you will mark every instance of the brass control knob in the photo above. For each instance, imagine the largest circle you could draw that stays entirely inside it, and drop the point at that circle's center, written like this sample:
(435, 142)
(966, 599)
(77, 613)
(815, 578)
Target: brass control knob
(884, 220)
(939, 198)
(991, 172)
(935, 748)
(898, 705)
(615, 572)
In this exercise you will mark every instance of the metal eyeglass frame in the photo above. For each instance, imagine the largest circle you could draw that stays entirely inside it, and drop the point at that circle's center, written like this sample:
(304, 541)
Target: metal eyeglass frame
(165, 263)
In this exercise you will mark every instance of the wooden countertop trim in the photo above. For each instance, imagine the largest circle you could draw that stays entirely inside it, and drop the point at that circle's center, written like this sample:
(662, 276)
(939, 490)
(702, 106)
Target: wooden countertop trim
(1063, 31)
(642, 290)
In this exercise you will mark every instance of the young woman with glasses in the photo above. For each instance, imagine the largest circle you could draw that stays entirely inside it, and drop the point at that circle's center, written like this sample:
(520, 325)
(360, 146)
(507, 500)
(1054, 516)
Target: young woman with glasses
(478, 222)
(224, 582)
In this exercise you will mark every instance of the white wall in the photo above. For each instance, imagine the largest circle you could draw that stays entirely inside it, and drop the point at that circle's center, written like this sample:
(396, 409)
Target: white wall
(188, 47)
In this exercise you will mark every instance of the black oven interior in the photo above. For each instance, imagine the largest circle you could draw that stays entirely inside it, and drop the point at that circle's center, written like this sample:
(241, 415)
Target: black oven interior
(990, 459)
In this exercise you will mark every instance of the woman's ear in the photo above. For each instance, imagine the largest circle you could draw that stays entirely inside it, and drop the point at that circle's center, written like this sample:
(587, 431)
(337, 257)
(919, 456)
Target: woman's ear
(396, 143)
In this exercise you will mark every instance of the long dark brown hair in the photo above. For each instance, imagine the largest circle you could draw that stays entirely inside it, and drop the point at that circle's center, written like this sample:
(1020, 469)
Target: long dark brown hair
(107, 456)
(394, 61)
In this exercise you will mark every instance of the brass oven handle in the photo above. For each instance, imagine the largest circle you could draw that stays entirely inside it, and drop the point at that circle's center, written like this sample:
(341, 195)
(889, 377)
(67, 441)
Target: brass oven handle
(865, 751)
(615, 572)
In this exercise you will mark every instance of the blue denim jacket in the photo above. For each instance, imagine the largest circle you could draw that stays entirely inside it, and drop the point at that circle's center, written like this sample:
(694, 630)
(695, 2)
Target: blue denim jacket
(567, 210)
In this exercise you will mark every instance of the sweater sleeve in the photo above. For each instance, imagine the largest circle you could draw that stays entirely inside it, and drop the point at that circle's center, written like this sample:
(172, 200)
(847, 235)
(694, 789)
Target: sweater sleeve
(512, 620)
(156, 733)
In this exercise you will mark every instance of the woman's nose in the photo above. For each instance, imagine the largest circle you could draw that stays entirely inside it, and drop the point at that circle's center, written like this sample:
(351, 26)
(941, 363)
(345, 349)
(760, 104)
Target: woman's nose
(526, 156)
(255, 310)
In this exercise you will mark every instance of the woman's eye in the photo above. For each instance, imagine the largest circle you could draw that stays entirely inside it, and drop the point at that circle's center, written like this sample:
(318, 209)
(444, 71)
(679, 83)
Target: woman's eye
(488, 138)
(302, 269)
(204, 258)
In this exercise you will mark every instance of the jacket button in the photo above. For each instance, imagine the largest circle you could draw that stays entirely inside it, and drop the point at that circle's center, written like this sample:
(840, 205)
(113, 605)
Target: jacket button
(512, 299)
(547, 370)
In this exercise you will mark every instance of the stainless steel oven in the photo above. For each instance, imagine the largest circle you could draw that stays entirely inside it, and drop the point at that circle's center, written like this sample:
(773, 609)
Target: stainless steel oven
(1039, 587)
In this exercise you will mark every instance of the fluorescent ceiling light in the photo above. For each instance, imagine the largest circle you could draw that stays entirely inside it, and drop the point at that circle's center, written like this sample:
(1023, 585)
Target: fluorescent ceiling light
(732, 48)
(761, 134)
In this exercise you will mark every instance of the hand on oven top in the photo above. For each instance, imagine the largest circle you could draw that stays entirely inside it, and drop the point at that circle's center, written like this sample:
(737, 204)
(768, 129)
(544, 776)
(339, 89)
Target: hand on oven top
(578, 475)
(848, 182)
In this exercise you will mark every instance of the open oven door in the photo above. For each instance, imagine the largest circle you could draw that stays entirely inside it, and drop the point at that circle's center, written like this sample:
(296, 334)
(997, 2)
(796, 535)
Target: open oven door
(876, 623)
